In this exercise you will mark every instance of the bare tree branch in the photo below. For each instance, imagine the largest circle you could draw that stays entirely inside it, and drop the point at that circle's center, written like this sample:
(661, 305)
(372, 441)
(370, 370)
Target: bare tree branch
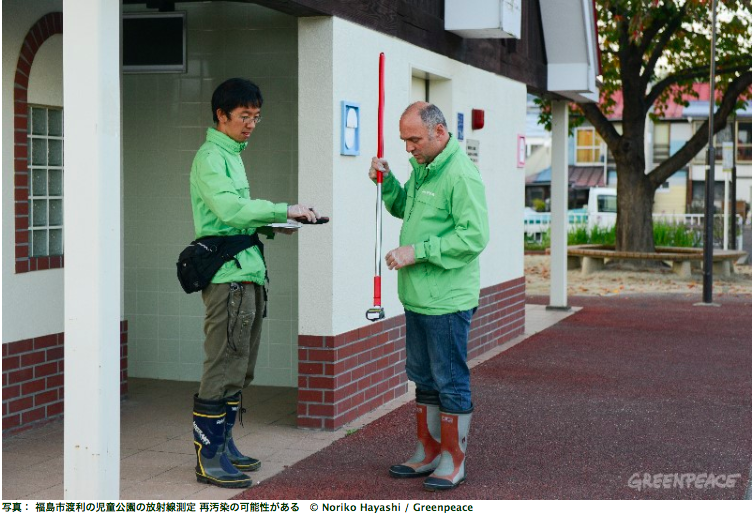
(694, 73)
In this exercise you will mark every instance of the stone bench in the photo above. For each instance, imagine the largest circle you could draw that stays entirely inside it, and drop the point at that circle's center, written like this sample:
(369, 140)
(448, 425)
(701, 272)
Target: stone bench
(592, 257)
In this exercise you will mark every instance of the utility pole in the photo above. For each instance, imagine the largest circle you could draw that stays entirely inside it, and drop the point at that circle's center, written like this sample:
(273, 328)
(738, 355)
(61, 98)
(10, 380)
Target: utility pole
(707, 262)
(733, 185)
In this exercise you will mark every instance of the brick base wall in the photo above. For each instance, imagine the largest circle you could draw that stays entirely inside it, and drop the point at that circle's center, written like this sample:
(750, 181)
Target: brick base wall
(343, 377)
(33, 379)
(500, 317)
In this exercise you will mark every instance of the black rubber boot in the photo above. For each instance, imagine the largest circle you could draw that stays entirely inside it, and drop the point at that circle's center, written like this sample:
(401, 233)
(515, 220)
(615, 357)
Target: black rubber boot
(241, 462)
(212, 465)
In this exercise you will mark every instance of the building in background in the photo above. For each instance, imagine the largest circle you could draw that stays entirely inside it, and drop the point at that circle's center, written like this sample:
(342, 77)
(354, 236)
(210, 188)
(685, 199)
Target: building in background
(591, 165)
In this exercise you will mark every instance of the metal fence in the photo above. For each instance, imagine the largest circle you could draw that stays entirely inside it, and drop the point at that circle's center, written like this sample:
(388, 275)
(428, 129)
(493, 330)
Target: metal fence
(538, 223)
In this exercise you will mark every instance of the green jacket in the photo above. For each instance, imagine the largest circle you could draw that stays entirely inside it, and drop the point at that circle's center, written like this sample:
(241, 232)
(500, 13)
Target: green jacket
(222, 204)
(443, 206)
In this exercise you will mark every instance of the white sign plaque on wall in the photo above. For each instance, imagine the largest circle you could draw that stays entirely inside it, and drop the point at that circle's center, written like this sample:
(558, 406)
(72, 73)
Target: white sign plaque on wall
(473, 150)
(521, 151)
(350, 130)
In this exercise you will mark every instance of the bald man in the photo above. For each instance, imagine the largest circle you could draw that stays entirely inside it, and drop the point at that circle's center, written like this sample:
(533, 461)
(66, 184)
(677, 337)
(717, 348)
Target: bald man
(444, 230)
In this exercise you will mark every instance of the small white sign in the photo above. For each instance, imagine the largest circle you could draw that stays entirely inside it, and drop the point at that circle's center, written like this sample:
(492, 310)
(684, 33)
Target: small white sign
(473, 150)
(728, 155)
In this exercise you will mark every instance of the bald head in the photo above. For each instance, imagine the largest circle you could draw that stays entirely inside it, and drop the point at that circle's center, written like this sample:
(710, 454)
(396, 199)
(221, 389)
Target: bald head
(424, 131)
(429, 114)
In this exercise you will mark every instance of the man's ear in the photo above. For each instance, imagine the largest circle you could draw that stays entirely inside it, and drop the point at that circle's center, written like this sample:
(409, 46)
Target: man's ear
(222, 116)
(441, 130)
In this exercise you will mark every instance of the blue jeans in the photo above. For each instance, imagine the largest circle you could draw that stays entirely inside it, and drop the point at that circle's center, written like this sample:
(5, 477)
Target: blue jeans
(437, 357)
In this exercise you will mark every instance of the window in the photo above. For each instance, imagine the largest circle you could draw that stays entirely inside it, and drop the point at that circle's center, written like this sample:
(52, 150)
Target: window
(744, 142)
(606, 203)
(45, 144)
(589, 147)
(661, 141)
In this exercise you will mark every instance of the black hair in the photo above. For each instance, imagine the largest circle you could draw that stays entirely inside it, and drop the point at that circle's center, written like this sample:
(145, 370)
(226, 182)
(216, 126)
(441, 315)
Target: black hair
(233, 93)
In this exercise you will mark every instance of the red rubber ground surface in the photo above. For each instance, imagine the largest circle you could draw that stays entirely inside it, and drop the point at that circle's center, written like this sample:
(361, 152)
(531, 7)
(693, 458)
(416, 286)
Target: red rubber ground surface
(628, 385)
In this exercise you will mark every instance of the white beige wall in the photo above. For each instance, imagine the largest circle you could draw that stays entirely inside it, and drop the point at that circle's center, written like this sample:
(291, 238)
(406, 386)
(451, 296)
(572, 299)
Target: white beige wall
(46, 79)
(339, 61)
(165, 117)
(32, 302)
(673, 200)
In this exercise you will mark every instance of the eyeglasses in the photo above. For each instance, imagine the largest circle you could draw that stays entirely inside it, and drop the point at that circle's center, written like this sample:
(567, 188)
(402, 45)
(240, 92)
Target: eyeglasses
(255, 119)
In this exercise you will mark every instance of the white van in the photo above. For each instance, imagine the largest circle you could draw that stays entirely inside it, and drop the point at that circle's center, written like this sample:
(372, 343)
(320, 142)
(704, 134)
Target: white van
(601, 208)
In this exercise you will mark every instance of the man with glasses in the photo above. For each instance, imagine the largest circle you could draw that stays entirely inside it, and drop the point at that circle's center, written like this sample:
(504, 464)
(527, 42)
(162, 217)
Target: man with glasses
(235, 299)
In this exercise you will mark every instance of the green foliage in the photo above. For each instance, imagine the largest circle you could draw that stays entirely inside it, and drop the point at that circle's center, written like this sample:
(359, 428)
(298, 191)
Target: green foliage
(596, 235)
(653, 52)
(539, 205)
(671, 39)
(578, 235)
(533, 244)
(677, 235)
(576, 118)
(664, 234)
(600, 235)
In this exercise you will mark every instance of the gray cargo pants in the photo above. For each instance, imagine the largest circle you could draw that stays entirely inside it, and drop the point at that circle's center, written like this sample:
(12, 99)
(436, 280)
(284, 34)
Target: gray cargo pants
(233, 333)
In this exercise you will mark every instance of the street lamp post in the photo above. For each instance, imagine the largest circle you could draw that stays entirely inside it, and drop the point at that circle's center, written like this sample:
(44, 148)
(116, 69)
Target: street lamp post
(733, 185)
(707, 263)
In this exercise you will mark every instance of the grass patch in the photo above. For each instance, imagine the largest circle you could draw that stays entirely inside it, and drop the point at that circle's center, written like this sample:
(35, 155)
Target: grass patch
(664, 234)
(677, 235)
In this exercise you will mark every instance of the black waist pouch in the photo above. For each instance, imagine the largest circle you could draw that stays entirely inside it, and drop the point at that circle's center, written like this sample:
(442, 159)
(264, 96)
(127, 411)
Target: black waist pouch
(200, 261)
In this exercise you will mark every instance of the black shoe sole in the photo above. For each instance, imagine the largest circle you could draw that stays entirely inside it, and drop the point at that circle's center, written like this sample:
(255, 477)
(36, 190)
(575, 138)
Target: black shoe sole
(409, 475)
(442, 488)
(243, 483)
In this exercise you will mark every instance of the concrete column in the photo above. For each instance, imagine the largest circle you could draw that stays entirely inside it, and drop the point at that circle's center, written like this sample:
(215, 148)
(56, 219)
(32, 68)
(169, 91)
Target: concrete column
(559, 202)
(317, 124)
(91, 79)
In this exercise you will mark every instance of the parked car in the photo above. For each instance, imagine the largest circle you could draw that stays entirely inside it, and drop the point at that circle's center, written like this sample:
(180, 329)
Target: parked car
(601, 208)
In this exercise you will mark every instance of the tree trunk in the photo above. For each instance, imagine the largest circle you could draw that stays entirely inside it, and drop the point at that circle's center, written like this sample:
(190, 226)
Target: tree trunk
(634, 210)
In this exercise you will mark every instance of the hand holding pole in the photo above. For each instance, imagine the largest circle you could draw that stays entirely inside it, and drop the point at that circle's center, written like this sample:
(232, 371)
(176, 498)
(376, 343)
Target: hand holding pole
(376, 312)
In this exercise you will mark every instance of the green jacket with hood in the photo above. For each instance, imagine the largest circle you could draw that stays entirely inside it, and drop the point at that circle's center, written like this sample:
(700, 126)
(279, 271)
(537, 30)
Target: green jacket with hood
(222, 204)
(444, 213)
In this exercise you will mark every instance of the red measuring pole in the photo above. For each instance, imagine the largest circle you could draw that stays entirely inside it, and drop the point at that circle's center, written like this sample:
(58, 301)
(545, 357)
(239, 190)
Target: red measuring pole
(380, 151)
(376, 312)
(379, 179)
